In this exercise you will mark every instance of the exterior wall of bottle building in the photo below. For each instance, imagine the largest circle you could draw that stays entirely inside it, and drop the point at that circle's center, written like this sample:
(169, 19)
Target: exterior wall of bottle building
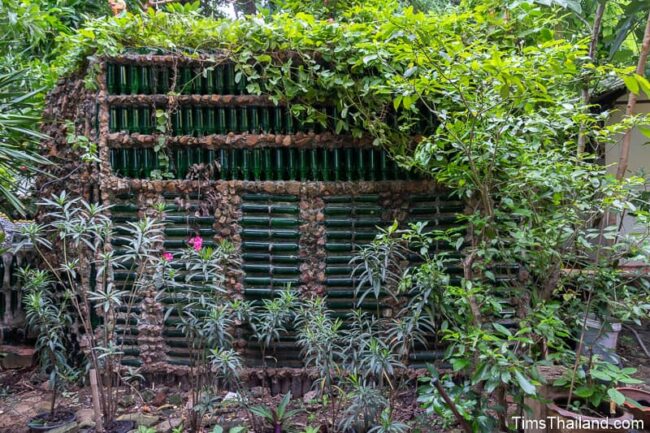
(295, 199)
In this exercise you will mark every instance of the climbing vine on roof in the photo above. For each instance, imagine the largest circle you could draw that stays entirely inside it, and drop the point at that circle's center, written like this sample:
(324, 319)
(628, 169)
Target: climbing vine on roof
(372, 59)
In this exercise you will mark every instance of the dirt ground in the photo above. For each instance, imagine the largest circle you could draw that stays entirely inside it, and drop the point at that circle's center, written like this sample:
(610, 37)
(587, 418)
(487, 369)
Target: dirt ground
(24, 393)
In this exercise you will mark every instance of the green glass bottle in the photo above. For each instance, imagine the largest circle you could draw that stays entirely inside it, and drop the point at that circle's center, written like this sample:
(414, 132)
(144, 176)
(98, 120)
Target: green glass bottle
(145, 79)
(134, 77)
(325, 166)
(373, 164)
(254, 123)
(279, 164)
(210, 115)
(303, 165)
(245, 165)
(235, 167)
(186, 80)
(188, 122)
(125, 162)
(135, 164)
(177, 121)
(232, 120)
(114, 161)
(289, 127)
(361, 164)
(113, 119)
(147, 127)
(211, 155)
(265, 121)
(257, 164)
(277, 120)
(224, 159)
(148, 163)
(218, 80)
(124, 80)
(111, 78)
(349, 167)
(228, 79)
(268, 165)
(314, 172)
(383, 164)
(209, 82)
(221, 120)
(135, 125)
(163, 80)
(197, 82)
(199, 125)
(198, 155)
(243, 120)
(337, 164)
(125, 125)
(292, 166)
(181, 163)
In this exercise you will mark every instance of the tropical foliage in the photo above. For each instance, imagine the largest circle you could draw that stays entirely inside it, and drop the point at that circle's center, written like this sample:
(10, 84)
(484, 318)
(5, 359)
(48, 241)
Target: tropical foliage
(538, 248)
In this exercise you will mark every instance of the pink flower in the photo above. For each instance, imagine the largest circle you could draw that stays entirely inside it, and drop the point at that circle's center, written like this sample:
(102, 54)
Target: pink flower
(167, 256)
(196, 242)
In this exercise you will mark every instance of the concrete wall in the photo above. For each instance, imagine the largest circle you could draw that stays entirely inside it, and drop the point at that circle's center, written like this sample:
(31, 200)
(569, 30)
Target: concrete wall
(639, 160)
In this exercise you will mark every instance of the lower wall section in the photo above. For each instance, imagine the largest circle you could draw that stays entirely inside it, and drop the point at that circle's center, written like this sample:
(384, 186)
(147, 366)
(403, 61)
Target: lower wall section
(300, 235)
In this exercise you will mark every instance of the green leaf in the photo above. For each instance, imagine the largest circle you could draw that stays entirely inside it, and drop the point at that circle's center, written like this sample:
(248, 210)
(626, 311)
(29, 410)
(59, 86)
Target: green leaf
(410, 71)
(643, 83)
(525, 384)
(397, 101)
(459, 363)
(584, 392)
(502, 329)
(596, 374)
(631, 83)
(369, 58)
(616, 396)
(645, 130)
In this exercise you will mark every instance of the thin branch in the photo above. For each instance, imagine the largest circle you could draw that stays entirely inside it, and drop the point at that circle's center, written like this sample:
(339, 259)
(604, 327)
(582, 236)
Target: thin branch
(631, 103)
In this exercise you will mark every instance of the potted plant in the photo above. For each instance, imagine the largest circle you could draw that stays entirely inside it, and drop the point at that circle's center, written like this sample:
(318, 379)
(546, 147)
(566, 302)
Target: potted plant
(595, 404)
(637, 401)
(47, 316)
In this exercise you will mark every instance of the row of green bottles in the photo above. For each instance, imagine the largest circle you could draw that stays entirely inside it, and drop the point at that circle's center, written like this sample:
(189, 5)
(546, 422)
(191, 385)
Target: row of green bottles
(137, 79)
(266, 164)
(199, 121)
(131, 119)
(134, 163)
(159, 79)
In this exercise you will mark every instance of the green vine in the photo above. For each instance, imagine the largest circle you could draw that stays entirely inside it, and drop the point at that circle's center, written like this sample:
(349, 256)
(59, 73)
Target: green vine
(160, 148)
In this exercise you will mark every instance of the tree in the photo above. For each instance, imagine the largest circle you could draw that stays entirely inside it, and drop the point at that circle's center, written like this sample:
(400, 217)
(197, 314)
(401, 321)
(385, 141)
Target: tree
(631, 102)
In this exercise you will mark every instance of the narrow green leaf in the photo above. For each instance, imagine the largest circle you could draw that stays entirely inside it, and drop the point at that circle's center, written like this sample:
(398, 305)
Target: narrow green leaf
(524, 383)
(616, 396)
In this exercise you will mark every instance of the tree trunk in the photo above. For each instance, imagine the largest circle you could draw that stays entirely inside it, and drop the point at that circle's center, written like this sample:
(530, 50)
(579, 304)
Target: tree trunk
(595, 32)
(631, 103)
